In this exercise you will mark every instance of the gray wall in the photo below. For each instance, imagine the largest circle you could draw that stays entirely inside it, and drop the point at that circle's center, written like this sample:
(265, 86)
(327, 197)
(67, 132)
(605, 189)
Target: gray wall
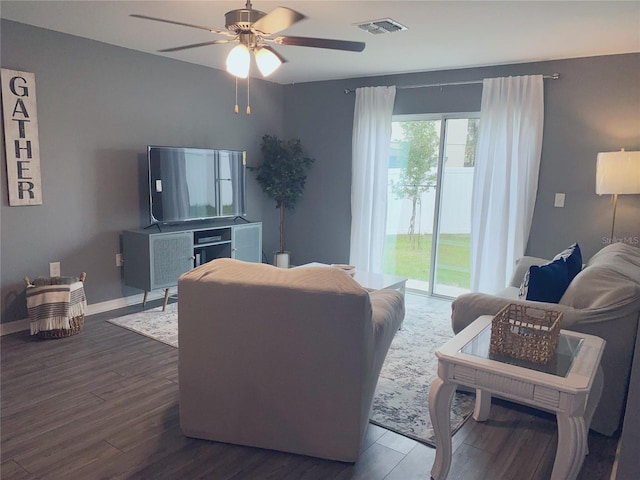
(593, 107)
(99, 106)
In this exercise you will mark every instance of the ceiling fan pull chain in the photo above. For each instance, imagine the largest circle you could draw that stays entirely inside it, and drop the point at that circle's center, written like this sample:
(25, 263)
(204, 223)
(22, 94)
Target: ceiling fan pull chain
(248, 106)
(235, 109)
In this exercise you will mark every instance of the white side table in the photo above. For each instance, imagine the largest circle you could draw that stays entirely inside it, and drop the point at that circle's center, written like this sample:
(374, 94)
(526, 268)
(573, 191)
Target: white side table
(570, 386)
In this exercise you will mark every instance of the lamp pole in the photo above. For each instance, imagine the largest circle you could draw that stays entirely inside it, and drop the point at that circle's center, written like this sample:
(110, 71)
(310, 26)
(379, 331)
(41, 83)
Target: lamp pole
(613, 222)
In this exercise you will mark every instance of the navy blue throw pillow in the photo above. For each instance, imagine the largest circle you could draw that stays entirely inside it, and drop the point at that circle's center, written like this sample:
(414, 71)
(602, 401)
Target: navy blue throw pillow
(547, 283)
(573, 258)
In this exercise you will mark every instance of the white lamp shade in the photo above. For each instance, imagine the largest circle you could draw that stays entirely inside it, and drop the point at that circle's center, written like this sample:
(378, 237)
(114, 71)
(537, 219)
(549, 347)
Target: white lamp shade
(618, 173)
(268, 62)
(239, 61)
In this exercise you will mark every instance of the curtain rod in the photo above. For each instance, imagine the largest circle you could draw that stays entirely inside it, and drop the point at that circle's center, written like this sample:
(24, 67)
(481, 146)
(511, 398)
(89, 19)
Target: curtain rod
(553, 76)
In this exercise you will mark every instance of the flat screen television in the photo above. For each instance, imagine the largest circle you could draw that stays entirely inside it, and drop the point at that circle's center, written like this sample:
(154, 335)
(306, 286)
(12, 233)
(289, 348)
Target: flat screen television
(189, 184)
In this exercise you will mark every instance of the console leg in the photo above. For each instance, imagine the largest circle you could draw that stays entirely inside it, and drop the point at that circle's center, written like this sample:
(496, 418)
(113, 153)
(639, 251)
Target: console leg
(166, 299)
(144, 299)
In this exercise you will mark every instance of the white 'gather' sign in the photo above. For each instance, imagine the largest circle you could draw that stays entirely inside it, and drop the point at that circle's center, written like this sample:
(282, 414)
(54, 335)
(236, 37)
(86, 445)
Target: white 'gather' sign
(21, 137)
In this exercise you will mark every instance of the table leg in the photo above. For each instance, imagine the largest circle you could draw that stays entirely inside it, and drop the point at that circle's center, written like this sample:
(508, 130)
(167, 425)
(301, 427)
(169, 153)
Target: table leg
(572, 447)
(440, 395)
(144, 299)
(483, 406)
(594, 397)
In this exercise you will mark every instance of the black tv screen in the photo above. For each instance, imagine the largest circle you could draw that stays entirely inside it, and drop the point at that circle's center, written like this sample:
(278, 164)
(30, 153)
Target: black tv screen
(188, 184)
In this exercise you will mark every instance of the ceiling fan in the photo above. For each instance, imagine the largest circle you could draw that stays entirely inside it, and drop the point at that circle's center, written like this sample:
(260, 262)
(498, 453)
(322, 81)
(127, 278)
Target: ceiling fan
(254, 30)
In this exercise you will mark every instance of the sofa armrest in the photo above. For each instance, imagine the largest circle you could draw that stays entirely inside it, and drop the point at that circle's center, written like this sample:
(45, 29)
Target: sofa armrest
(522, 266)
(469, 306)
(388, 310)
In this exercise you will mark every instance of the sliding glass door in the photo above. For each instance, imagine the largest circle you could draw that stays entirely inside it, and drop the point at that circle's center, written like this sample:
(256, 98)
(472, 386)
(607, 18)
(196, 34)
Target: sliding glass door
(429, 201)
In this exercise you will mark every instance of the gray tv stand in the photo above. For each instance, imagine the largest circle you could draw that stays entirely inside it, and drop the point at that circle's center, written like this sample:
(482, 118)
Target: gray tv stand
(155, 259)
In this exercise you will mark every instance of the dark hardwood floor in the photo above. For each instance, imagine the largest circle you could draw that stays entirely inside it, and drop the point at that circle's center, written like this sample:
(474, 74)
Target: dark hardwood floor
(104, 404)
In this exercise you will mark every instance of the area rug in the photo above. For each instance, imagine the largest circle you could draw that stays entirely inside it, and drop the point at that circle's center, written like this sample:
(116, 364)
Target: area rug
(153, 323)
(401, 399)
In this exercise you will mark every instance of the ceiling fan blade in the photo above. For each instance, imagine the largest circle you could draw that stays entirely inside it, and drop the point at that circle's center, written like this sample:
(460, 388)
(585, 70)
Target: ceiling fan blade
(194, 45)
(280, 57)
(319, 43)
(208, 29)
(276, 20)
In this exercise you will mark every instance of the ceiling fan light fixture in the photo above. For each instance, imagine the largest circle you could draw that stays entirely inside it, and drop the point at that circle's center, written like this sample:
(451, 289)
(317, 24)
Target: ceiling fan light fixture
(239, 61)
(267, 61)
(252, 29)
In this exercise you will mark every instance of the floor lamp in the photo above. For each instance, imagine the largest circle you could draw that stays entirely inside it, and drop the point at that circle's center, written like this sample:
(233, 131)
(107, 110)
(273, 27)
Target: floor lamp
(617, 173)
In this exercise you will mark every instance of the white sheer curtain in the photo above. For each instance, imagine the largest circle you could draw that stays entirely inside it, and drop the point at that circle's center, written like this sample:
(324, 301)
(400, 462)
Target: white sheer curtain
(506, 177)
(370, 151)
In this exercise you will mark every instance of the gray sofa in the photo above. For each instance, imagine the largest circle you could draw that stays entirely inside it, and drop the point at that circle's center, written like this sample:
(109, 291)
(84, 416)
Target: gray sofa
(284, 359)
(602, 300)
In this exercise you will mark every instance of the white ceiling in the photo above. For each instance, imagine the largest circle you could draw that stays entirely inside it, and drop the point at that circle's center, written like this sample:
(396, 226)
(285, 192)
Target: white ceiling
(441, 35)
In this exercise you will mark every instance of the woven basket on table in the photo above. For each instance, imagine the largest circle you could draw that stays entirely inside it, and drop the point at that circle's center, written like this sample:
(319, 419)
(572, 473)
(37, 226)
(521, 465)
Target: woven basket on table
(75, 323)
(526, 333)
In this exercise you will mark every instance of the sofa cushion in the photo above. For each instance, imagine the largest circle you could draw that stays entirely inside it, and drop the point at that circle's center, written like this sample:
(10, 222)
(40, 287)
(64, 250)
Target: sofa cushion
(327, 279)
(512, 293)
(545, 283)
(573, 258)
(601, 287)
(621, 257)
(611, 279)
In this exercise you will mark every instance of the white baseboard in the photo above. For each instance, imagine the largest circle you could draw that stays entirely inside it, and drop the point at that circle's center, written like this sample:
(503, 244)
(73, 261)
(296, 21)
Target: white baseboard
(13, 327)
(23, 324)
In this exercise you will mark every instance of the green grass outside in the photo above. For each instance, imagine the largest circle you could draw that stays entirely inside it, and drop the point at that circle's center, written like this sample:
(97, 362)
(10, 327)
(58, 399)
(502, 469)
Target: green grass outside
(453, 258)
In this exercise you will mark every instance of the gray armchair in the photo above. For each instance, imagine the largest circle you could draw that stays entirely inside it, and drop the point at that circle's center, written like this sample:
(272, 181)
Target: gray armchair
(602, 300)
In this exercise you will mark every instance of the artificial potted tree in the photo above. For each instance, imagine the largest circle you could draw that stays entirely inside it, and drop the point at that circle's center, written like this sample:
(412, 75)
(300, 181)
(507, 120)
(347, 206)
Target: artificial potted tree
(282, 176)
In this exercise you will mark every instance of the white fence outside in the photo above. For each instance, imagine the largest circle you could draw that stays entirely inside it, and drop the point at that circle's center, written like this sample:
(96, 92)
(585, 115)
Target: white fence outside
(455, 204)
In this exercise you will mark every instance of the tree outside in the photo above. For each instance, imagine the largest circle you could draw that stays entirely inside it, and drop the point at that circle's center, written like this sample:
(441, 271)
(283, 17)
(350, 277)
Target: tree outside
(472, 140)
(421, 142)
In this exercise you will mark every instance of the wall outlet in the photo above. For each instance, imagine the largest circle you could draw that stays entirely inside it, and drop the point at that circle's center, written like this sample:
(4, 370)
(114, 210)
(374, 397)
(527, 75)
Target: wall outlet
(54, 269)
(119, 260)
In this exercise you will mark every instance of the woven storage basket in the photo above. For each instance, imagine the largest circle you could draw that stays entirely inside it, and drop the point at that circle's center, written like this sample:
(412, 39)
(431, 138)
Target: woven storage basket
(75, 323)
(525, 333)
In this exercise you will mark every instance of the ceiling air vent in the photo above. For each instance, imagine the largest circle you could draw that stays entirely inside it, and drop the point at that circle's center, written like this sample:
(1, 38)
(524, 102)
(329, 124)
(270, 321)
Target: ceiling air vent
(384, 25)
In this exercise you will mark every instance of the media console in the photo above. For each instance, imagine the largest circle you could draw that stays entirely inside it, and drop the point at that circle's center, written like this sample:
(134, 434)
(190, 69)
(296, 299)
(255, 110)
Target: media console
(154, 260)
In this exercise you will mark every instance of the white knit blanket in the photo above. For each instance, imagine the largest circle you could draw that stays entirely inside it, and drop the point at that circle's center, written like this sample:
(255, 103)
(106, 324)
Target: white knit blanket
(52, 306)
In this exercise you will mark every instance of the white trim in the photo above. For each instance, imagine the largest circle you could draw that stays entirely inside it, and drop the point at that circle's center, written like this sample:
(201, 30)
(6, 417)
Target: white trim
(13, 327)
(23, 324)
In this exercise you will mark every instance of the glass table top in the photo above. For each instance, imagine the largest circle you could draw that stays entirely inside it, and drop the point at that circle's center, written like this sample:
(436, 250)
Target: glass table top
(568, 348)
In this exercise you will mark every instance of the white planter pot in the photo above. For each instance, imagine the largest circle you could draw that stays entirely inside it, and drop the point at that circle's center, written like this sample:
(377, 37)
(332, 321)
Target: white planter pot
(281, 259)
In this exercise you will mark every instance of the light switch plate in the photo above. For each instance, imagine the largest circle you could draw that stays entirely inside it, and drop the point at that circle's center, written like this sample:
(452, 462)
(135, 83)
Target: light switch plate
(559, 200)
